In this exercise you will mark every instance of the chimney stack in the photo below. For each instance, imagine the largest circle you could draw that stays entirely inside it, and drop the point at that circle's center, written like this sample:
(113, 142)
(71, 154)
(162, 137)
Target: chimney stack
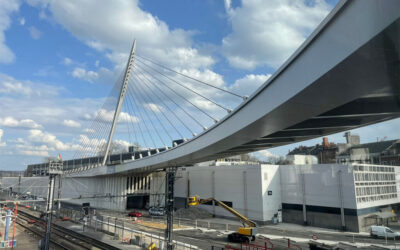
(325, 142)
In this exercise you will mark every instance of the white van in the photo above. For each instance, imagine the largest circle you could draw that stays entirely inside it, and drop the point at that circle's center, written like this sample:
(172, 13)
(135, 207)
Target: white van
(382, 231)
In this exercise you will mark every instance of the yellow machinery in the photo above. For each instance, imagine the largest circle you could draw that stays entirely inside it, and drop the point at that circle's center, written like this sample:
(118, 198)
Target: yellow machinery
(245, 233)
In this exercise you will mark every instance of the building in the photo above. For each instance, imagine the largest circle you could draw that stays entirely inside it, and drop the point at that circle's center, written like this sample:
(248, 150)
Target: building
(301, 159)
(381, 152)
(339, 196)
(324, 153)
(391, 155)
(351, 197)
(12, 173)
(384, 152)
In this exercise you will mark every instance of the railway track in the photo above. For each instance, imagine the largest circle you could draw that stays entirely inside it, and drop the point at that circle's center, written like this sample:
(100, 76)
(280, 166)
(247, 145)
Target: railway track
(61, 237)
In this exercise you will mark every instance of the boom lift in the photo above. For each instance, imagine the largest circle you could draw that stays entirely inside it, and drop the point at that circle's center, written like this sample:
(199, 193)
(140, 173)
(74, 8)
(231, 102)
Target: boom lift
(246, 233)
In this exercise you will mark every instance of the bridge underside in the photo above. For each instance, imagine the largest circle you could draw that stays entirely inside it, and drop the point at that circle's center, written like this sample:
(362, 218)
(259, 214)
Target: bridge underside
(358, 113)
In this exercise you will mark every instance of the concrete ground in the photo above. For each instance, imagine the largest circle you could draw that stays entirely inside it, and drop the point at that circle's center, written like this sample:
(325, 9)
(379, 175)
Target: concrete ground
(279, 234)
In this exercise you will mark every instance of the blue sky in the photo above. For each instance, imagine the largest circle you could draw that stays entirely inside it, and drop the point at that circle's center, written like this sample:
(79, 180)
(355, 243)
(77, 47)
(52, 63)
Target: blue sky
(59, 60)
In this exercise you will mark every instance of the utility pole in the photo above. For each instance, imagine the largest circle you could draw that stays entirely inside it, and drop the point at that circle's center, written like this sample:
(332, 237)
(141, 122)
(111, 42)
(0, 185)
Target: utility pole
(55, 168)
(59, 195)
(169, 205)
(19, 185)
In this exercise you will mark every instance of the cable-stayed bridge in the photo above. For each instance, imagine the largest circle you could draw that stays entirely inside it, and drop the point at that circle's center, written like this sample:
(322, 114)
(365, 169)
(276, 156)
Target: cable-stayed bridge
(344, 76)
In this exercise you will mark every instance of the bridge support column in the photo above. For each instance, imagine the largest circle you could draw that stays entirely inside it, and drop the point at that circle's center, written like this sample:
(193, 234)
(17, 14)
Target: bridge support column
(169, 204)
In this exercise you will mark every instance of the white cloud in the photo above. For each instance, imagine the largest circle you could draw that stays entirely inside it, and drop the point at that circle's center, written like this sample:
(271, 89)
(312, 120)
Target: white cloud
(91, 144)
(2, 143)
(14, 123)
(14, 88)
(34, 153)
(71, 123)
(36, 135)
(9, 85)
(268, 32)
(127, 21)
(120, 146)
(89, 131)
(67, 61)
(84, 74)
(265, 155)
(25, 148)
(154, 107)
(97, 63)
(6, 9)
(22, 21)
(108, 115)
(34, 32)
(248, 84)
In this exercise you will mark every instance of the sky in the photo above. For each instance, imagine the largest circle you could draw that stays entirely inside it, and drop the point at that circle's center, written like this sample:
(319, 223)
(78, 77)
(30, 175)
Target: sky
(60, 59)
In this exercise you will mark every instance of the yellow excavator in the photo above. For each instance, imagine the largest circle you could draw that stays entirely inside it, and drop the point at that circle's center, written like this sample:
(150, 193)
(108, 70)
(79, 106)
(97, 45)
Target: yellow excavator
(246, 233)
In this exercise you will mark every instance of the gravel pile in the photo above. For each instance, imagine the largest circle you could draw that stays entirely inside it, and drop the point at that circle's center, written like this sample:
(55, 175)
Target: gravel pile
(192, 213)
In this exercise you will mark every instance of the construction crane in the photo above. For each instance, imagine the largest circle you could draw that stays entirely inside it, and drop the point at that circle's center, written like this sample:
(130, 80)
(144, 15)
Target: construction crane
(246, 233)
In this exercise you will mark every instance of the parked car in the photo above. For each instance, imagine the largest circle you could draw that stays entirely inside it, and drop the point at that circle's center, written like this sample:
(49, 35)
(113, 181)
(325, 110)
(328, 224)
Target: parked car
(382, 232)
(156, 211)
(135, 214)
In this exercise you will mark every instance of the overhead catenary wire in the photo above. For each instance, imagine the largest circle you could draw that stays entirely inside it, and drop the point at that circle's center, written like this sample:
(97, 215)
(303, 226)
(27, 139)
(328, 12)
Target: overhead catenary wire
(181, 96)
(194, 79)
(179, 106)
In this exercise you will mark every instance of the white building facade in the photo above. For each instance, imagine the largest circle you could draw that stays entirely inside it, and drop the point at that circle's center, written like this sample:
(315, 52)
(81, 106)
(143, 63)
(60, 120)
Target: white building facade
(350, 197)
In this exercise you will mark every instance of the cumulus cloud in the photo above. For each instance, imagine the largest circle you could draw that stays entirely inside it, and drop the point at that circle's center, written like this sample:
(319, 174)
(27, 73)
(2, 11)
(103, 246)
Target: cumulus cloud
(87, 75)
(36, 135)
(22, 21)
(26, 148)
(268, 32)
(14, 123)
(248, 84)
(6, 9)
(172, 47)
(9, 85)
(2, 143)
(108, 115)
(71, 123)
